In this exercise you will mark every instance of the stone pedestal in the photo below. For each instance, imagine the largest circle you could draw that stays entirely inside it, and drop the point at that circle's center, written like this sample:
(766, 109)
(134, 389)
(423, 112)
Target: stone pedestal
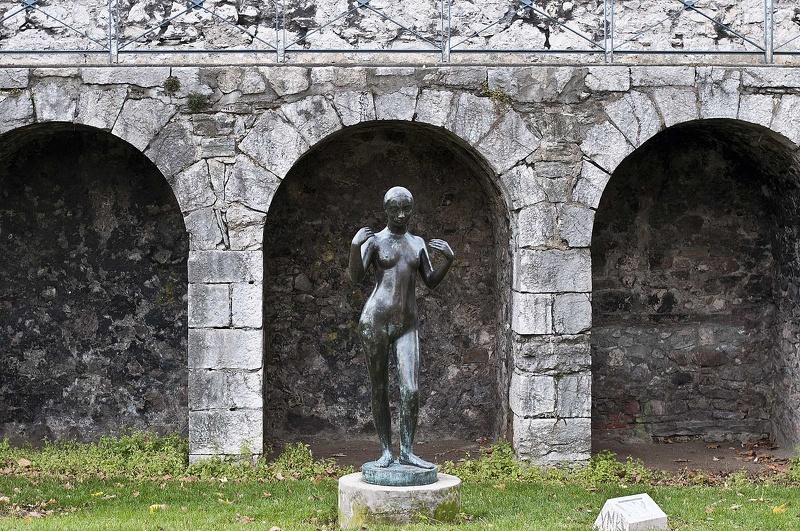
(361, 503)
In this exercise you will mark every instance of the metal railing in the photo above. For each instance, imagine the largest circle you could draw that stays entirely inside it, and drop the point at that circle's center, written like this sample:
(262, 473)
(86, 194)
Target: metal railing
(608, 31)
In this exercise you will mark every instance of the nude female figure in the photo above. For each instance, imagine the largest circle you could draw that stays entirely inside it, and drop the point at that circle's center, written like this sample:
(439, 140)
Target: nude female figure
(389, 323)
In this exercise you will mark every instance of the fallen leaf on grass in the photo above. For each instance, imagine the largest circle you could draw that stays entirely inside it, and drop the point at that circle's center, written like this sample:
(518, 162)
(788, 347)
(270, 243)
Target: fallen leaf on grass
(17, 490)
(98, 494)
(225, 501)
(158, 507)
(5, 499)
(266, 495)
(109, 496)
(500, 486)
(780, 509)
(136, 494)
(24, 463)
(313, 497)
(709, 509)
(68, 485)
(735, 506)
(275, 528)
(184, 508)
(279, 476)
(245, 519)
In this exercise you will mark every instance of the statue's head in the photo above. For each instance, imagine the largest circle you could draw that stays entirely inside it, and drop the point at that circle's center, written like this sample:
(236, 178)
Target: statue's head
(399, 205)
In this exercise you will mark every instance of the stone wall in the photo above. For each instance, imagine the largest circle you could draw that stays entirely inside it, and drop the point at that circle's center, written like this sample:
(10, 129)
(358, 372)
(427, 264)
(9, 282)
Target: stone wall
(383, 28)
(92, 289)
(684, 310)
(317, 382)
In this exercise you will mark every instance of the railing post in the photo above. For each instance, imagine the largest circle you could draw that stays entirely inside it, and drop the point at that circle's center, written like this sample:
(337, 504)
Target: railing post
(446, 32)
(769, 31)
(611, 37)
(280, 31)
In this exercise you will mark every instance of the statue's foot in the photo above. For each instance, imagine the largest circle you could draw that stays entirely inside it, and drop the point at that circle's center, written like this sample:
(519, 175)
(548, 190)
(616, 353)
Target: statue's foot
(385, 459)
(413, 460)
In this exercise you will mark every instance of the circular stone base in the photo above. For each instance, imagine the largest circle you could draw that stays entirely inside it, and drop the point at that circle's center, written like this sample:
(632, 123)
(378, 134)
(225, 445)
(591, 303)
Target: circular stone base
(397, 475)
(365, 504)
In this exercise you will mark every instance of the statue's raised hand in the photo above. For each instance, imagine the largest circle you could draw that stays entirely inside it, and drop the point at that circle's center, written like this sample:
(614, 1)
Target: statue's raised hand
(443, 247)
(363, 235)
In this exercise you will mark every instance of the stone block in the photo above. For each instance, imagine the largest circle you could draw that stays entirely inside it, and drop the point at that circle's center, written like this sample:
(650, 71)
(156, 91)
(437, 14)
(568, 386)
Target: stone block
(252, 82)
(14, 78)
(314, 118)
(245, 228)
(575, 225)
(676, 105)
(590, 185)
(220, 348)
(572, 313)
(226, 389)
(354, 107)
(398, 105)
(770, 77)
(15, 111)
(608, 79)
(204, 230)
(247, 305)
(551, 354)
(606, 146)
(758, 108)
(274, 142)
(433, 107)
(190, 81)
(531, 313)
(535, 225)
(662, 76)
(225, 432)
(508, 143)
(553, 441)
(251, 185)
(224, 146)
(99, 107)
(209, 305)
(553, 271)
(287, 80)
(54, 101)
(225, 266)
(140, 76)
(521, 187)
(532, 84)
(718, 92)
(192, 186)
(471, 117)
(574, 395)
(141, 120)
(464, 77)
(172, 150)
(531, 395)
(787, 117)
(631, 513)
(635, 116)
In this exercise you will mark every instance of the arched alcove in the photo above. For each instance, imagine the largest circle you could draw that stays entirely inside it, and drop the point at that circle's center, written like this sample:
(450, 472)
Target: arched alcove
(93, 281)
(316, 382)
(694, 268)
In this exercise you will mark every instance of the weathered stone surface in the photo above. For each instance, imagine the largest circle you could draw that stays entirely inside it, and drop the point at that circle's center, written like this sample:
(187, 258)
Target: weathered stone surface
(574, 395)
(535, 225)
(471, 118)
(458, 77)
(433, 107)
(758, 108)
(287, 80)
(173, 150)
(222, 146)
(147, 76)
(531, 313)
(718, 92)
(209, 305)
(575, 224)
(221, 348)
(251, 185)
(225, 266)
(398, 105)
(204, 229)
(15, 111)
(635, 116)
(631, 513)
(225, 389)
(354, 107)
(676, 105)
(245, 228)
(508, 143)
(589, 187)
(552, 441)
(314, 118)
(608, 79)
(533, 84)
(274, 143)
(14, 78)
(192, 187)
(220, 431)
(572, 313)
(555, 355)
(54, 101)
(662, 76)
(787, 117)
(522, 188)
(247, 305)
(552, 271)
(141, 120)
(771, 77)
(190, 81)
(99, 107)
(532, 396)
(606, 146)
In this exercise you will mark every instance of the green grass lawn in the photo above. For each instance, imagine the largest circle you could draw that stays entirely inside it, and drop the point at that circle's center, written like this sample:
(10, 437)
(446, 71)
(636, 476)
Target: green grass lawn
(136, 484)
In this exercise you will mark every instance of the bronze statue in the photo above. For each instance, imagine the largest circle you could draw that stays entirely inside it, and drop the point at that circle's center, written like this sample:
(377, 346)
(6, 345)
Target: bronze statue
(389, 322)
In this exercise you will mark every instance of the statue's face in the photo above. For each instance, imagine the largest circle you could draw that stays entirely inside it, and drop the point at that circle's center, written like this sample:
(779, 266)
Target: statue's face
(399, 209)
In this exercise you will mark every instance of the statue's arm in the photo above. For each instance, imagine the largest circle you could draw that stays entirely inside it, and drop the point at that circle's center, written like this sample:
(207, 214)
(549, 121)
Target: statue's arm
(359, 259)
(432, 277)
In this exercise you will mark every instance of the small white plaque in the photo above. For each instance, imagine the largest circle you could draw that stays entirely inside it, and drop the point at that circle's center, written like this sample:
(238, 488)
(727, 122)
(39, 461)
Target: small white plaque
(631, 513)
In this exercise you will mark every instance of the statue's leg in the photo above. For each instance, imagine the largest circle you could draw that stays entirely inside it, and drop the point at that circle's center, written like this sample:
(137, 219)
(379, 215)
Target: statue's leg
(407, 347)
(376, 350)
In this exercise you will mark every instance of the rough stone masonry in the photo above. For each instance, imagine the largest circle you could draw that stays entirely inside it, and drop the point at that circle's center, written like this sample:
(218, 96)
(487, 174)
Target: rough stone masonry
(541, 142)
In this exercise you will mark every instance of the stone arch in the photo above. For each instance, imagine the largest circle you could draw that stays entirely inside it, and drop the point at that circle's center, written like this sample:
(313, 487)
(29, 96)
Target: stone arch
(767, 163)
(475, 386)
(92, 224)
